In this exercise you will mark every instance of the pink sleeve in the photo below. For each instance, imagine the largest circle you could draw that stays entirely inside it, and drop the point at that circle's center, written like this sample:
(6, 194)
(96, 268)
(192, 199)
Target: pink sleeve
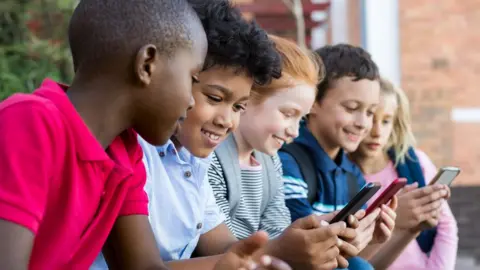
(26, 157)
(444, 252)
(136, 202)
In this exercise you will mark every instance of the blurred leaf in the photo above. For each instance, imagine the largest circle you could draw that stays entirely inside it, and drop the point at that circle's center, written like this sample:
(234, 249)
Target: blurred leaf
(33, 43)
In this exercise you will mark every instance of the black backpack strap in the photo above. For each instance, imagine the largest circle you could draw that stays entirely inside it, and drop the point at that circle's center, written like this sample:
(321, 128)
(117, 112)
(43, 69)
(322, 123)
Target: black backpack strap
(306, 165)
(353, 187)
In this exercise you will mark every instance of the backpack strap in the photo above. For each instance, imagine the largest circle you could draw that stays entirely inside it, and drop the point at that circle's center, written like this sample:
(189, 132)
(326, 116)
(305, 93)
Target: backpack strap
(227, 155)
(307, 168)
(270, 181)
(412, 170)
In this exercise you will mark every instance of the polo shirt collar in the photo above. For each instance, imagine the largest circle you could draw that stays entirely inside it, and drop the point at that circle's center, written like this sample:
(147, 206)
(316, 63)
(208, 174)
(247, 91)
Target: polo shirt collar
(88, 148)
(322, 161)
(182, 155)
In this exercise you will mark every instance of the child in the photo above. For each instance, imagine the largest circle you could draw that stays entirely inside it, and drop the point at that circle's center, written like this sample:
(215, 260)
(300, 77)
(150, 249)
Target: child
(388, 153)
(183, 212)
(340, 117)
(255, 201)
(82, 179)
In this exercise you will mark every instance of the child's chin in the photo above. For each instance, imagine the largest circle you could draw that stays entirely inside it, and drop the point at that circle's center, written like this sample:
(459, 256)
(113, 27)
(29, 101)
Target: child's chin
(350, 147)
(201, 153)
(270, 151)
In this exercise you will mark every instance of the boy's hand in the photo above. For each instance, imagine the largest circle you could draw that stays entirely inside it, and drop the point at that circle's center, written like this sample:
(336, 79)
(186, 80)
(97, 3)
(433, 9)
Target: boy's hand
(309, 243)
(239, 257)
(385, 223)
(419, 208)
(365, 229)
(347, 236)
(347, 250)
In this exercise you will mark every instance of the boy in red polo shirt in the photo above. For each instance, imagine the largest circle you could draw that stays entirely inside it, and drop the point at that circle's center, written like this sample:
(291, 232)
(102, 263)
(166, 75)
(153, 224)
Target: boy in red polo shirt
(70, 165)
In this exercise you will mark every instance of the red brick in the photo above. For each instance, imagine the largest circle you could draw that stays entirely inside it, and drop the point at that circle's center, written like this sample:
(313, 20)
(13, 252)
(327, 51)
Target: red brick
(440, 63)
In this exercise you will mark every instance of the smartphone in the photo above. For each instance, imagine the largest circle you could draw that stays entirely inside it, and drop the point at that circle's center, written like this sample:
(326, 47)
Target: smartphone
(387, 194)
(445, 176)
(357, 202)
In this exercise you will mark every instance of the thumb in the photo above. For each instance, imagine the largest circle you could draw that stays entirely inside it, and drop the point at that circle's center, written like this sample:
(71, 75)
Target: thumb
(408, 188)
(309, 222)
(394, 203)
(248, 246)
(360, 214)
(328, 217)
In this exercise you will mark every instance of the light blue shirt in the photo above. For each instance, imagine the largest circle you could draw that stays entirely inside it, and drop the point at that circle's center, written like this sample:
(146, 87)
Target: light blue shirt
(181, 202)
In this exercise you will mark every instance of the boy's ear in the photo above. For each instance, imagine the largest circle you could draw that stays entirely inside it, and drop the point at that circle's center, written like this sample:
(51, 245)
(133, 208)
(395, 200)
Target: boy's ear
(146, 63)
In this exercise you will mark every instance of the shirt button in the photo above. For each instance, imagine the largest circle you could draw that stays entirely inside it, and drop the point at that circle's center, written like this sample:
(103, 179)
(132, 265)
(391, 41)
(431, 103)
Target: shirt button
(162, 154)
(199, 226)
(187, 174)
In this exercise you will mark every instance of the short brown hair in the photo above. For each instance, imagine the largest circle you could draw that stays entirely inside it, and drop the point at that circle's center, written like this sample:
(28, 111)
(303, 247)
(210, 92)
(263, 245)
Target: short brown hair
(345, 60)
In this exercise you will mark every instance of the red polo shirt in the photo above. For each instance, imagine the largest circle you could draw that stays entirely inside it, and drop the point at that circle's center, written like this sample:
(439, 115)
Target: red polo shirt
(57, 180)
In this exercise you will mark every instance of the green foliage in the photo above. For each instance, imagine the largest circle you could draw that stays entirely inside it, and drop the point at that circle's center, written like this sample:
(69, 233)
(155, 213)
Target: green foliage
(33, 43)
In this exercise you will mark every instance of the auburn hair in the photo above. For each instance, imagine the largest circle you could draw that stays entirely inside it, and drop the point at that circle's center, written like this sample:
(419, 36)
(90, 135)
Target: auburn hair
(299, 66)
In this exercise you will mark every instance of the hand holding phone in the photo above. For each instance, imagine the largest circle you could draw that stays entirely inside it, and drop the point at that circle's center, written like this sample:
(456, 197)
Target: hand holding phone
(387, 194)
(357, 202)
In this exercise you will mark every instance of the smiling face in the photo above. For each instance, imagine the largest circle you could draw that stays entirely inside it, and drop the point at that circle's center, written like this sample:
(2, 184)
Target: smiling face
(220, 97)
(344, 116)
(383, 120)
(266, 126)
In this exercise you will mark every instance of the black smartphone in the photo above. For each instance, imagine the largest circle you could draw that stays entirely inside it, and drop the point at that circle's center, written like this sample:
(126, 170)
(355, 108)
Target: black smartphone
(357, 202)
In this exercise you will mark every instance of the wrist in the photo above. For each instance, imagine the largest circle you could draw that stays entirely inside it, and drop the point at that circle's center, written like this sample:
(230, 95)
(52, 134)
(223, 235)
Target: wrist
(271, 248)
(409, 232)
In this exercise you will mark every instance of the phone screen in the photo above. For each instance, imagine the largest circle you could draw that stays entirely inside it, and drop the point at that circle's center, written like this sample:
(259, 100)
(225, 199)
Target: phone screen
(446, 176)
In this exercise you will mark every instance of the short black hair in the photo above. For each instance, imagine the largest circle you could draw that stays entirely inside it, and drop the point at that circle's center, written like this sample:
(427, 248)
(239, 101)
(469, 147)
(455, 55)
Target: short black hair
(235, 42)
(344, 60)
(102, 30)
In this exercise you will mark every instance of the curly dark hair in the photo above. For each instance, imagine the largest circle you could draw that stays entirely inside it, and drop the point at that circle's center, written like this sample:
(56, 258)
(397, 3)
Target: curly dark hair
(235, 42)
(343, 60)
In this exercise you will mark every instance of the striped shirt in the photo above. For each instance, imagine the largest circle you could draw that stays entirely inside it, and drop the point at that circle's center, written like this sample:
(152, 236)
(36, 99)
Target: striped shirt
(248, 217)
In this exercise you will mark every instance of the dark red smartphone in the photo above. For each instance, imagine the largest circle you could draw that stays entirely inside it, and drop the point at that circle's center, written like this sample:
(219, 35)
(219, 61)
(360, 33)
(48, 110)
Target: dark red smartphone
(387, 194)
(357, 202)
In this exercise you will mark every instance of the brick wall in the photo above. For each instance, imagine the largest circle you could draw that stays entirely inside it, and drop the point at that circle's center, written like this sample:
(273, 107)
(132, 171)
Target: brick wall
(440, 61)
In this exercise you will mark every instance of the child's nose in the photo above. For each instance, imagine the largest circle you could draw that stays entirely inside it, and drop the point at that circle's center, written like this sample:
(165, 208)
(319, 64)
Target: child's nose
(375, 132)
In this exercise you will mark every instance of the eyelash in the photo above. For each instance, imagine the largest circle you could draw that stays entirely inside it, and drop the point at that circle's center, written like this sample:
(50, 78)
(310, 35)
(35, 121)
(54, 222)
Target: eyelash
(214, 98)
(240, 108)
(349, 109)
(195, 79)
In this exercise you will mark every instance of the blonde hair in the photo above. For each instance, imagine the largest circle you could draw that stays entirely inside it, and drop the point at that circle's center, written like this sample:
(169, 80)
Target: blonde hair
(402, 137)
(297, 65)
